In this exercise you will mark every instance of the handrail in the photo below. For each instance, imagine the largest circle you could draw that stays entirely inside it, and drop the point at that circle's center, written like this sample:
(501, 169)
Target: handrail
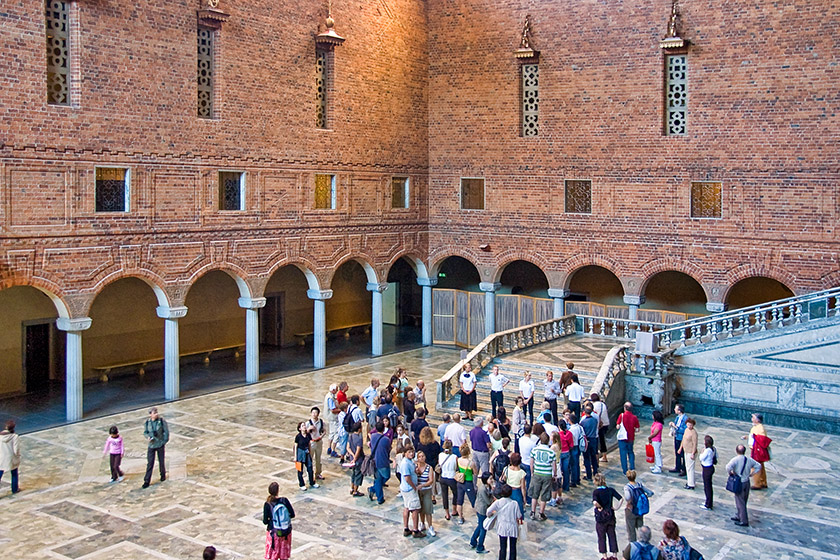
(615, 362)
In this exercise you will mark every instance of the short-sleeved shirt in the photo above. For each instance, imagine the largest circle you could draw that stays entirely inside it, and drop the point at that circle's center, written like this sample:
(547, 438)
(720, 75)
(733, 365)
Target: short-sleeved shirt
(467, 380)
(340, 397)
(381, 451)
(551, 389)
(456, 433)
(416, 426)
(527, 388)
(407, 471)
(526, 444)
(441, 431)
(631, 423)
(575, 392)
(544, 458)
(590, 426)
(369, 394)
(497, 382)
(514, 477)
(354, 442)
(479, 440)
(656, 431)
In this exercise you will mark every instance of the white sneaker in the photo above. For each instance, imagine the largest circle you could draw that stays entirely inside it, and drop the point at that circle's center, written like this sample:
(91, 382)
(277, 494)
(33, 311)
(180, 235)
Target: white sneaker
(552, 502)
(316, 485)
(303, 488)
(432, 531)
(120, 479)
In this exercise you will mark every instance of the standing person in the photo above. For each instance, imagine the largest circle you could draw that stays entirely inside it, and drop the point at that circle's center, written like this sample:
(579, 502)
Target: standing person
(574, 395)
(641, 549)
(759, 445)
(331, 411)
(578, 449)
(497, 389)
(380, 449)
(317, 430)
(115, 450)
(677, 430)
(371, 392)
(465, 477)
(544, 470)
(526, 444)
(441, 431)
(277, 518)
(556, 484)
(526, 391)
(514, 476)
(744, 467)
(551, 390)
(630, 423)
(420, 394)
(708, 460)
(409, 407)
(209, 553)
(429, 446)
(483, 499)
(456, 433)
(467, 382)
(341, 394)
(673, 546)
(303, 456)
(602, 499)
(500, 459)
(480, 446)
(688, 448)
(655, 439)
(411, 499)
(508, 519)
(636, 504)
(567, 442)
(10, 454)
(401, 387)
(156, 430)
(418, 424)
(355, 456)
(340, 443)
(426, 490)
(448, 462)
(600, 408)
(590, 454)
(518, 422)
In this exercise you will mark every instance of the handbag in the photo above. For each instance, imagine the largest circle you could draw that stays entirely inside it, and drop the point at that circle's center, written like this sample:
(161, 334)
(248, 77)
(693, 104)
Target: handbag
(734, 483)
(489, 523)
(460, 477)
(650, 455)
(298, 466)
(368, 467)
(622, 431)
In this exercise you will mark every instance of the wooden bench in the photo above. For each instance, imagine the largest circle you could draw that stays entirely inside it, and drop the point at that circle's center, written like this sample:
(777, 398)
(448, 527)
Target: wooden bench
(344, 329)
(105, 370)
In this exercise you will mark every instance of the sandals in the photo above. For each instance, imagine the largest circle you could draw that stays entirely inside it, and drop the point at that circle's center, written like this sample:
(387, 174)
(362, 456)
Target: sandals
(448, 517)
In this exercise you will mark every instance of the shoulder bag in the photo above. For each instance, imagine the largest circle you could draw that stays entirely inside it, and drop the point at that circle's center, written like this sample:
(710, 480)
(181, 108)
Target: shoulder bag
(734, 483)
(368, 467)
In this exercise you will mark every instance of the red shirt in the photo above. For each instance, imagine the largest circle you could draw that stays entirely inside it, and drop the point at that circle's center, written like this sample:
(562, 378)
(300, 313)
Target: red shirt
(340, 397)
(630, 424)
(567, 440)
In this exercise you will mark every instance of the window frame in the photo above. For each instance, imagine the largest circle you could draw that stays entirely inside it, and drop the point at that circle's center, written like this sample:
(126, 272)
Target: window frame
(406, 192)
(666, 115)
(483, 192)
(333, 192)
(566, 197)
(691, 200)
(242, 190)
(126, 190)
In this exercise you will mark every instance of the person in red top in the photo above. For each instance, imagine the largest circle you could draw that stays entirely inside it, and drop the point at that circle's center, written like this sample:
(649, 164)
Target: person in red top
(341, 395)
(627, 425)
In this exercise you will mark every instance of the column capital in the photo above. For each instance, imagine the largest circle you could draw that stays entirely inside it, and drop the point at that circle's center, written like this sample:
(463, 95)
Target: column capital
(716, 306)
(319, 294)
(73, 325)
(558, 293)
(489, 286)
(251, 303)
(634, 300)
(171, 312)
(431, 282)
(377, 287)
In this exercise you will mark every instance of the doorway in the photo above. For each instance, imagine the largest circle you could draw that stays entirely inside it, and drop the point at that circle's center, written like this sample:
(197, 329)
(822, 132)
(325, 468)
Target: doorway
(271, 320)
(37, 355)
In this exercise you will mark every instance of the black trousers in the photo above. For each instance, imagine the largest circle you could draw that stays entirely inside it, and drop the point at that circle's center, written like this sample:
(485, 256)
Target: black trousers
(552, 406)
(116, 459)
(529, 406)
(497, 398)
(150, 462)
(503, 545)
(680, 466)
(707, 485)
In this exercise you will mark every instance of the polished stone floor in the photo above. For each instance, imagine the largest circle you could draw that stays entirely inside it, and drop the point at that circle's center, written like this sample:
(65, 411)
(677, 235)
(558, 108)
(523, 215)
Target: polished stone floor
(226, 447)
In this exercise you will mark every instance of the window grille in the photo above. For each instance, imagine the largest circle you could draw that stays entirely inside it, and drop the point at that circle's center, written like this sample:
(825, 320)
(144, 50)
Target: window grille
(58, 52)
(677, 84)
(112, 189)
(472, 194)
(205, 72)
(325, 192)
(578, 197)
(399, 192)
(321, 89)
(530, 99)
(706, 199)
(231, 190)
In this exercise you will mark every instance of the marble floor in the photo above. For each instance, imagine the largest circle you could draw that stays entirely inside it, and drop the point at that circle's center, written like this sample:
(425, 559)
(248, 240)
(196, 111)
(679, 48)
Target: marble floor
(226, 447)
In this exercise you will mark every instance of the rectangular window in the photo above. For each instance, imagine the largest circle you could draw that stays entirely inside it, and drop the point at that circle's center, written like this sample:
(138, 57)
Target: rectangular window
(706, 199)
(205, 72)
(399, 192)
(325, 192)
(231, 190)
(530, 99)
(676, 86)
(112, 189)
(58, 52)
(578, 197)
(321, 74)
(472, 194)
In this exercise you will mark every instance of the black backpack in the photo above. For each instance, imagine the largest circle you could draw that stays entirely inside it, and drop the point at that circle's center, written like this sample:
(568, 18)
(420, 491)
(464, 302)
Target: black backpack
(500, 463)
(348, 423)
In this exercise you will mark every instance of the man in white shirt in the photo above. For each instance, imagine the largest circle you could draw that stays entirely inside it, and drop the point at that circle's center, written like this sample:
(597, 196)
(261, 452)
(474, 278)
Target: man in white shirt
(456, 433)
(575, 394)
(526, 390)
(420, 394)
(551, 390)
(331, 412)
(371, 392)
(497, 385)
(526, 443)
(550, 427)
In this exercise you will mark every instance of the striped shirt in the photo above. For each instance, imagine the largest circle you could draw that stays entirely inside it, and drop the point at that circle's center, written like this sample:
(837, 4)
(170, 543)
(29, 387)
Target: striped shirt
(423, 477)
(544, 459)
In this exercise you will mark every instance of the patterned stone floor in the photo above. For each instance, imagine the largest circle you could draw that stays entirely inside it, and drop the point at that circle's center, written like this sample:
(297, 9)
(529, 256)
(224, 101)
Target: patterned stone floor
(226, 447)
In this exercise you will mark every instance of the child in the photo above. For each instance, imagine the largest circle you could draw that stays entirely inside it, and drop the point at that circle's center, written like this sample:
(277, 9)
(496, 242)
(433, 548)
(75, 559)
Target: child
(114, 446)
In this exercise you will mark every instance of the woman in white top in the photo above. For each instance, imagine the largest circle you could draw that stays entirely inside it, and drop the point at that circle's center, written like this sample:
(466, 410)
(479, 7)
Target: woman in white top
(517, 425)
(447, 461)
(468, 381)
(707, 460)
(508, 518)
(599, 408)
(526, 391)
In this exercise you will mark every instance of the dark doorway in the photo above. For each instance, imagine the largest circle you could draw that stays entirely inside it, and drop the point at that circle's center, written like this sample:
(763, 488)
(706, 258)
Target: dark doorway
(271, 319)
(37, 356)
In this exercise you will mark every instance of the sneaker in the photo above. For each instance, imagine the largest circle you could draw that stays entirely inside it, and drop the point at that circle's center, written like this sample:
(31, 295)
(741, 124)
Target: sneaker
(674, 470)
(303, 488)
(482, 551)
(419, 534)
(121, 478)
(432, 532)
(320, 477)
(533, 515)
(552, 502)
(687, 487)
(316, 485)
(113, 481)
(704, 506)
(162, 477)
(460, 520)
(406, 532)
(654, 470)
(543, 517)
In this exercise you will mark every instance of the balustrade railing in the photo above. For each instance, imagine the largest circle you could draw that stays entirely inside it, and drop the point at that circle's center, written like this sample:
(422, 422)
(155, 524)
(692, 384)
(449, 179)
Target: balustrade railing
(616, 363)
(775, 314)
(616, 327)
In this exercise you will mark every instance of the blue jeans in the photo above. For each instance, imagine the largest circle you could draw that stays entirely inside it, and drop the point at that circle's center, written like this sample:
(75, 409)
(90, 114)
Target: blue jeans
(628, 456)
(477, 540)
(516, 495)
(15, 488)
(574, 463)
(565, 467)
(527, 469)
(380, 477)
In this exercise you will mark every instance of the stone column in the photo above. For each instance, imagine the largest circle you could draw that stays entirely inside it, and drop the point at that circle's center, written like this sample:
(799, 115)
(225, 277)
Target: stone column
(74, 374)
(716, 306)
(489, 289)
(252, 337)
(426, 319)
(634, 302)
(319, 327)
(559, 297)
(171, 350)
(376, 290)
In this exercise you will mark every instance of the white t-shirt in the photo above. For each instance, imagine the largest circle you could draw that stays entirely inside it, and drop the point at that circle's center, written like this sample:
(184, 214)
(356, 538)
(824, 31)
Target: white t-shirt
(526, 444)
(468, 381)
(550, 429)
(527, 388)
(455, 433)
(497, 382)
(447, 464)
(603, 415)
(575, 392)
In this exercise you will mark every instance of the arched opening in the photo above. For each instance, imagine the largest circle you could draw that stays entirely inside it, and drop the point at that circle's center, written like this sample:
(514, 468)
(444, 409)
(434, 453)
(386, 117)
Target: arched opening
(676, 294)
(457, 304)
(595, 290)
(286, 321)
(755, 290)
(402, 308)
(522, 297)
(348, 313)
(458, 273)
(523, 278)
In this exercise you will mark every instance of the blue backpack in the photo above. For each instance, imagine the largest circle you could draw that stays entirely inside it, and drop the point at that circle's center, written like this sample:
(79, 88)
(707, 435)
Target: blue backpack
(280, 520)
(641, 504)
(643, 552)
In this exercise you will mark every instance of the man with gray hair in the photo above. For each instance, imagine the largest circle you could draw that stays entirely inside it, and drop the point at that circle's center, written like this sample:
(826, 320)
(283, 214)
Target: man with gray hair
(156, 432)
(744, 467)
(480, 443)
(641, 549)
(331, 411)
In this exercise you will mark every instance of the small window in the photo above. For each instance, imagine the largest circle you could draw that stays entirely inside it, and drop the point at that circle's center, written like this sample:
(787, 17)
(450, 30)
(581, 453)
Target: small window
(676, 89)
(205, 72)
(231, 190)
(112, 189)
(325, 192)
(472, 194)
(578, 197)
(399, 192)
(58, 52)
(321, 82)
(706, 199)
(530, 99)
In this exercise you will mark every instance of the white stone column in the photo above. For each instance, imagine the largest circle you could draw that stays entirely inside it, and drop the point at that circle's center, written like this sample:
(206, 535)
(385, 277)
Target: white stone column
(426, 318)
(74, 374)
(633, 302)
(376, 290)
(171, 350)
(489, 289)
(716, 306)
(559, 297)
(252, 337)
(319, 327)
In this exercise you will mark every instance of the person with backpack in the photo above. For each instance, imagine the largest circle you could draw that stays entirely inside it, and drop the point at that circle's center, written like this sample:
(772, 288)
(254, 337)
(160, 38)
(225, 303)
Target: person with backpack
(708, 460)
(277, 518)
(637, 504)
(578, 449)
(602, 499)
(500, 460)
(641, 549)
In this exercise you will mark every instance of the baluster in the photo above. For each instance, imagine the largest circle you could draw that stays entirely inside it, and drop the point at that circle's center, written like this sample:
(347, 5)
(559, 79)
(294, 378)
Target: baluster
(713, 326)
(603, 327)
(614, 328)
(798, 311)
(643, 365)
(744, 323)
(729, 329)
(682, 336)
(657, 366)
(759, 320)
(775, 315)
(626, 327)
(591, 325)
(666, 338)
(695, 332)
